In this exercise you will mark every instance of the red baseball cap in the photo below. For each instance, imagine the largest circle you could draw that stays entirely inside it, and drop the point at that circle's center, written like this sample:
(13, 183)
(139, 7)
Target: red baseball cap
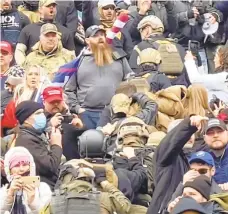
(52, 93)
(6, 46)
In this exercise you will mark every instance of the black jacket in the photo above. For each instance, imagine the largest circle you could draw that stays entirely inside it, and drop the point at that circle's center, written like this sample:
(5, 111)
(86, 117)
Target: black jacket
(6, 96)
(182, 79)
(157, 9)
(148, 110)
(90, 16)
(132, 178)
(67, 15)
(47, 161)
(29, 36)
(170, 165)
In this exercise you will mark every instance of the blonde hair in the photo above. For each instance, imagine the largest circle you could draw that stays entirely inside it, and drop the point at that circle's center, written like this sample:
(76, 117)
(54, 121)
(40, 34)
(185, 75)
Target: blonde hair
(23, 91)
(196, 102)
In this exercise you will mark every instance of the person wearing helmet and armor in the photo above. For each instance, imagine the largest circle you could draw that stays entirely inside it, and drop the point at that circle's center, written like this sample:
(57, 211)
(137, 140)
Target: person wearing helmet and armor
(151, 29)
(82, 178)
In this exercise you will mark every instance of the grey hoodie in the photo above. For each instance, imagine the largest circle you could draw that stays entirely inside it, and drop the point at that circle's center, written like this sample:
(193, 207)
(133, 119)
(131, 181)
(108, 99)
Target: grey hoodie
(93, 87)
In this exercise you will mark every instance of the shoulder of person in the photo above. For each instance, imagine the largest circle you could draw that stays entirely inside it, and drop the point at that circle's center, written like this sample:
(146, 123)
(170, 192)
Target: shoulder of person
(62, 29)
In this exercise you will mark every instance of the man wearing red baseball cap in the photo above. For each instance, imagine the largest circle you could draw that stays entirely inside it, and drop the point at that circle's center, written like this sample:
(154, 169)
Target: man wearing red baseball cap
(6, 58)
(58, 115)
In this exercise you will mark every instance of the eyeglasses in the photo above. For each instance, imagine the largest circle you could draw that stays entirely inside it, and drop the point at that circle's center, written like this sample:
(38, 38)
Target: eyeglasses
(111, 7)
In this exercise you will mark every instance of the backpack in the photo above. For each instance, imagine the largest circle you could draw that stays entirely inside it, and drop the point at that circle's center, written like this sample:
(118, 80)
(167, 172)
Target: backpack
(172, 63)
(72, 195)
(146, 156)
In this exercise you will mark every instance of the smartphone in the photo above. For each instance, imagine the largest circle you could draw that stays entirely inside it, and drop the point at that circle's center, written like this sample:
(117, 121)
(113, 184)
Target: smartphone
(67, 118)
(31, 180)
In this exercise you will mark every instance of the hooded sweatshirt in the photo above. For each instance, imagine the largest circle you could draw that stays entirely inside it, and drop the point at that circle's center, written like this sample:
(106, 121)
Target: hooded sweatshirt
(214, 83)
(42, 193)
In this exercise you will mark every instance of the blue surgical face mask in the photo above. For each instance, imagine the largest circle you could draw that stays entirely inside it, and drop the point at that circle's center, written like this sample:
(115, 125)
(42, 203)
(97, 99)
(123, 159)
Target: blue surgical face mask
(40, 122)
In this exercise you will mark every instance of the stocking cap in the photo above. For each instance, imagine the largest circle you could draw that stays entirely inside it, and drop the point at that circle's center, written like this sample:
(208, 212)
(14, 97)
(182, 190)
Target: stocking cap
(117, 26)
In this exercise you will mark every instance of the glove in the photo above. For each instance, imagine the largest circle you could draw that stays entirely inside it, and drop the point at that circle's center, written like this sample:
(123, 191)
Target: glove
(100, 174)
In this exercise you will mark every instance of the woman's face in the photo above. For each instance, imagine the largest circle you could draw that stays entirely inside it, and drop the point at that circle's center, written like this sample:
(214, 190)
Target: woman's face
(33, 78)
(20, 169)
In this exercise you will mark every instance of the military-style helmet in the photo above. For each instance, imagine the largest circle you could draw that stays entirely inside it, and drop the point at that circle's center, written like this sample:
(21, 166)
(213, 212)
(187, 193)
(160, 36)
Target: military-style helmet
(152, 21)
(92, 144)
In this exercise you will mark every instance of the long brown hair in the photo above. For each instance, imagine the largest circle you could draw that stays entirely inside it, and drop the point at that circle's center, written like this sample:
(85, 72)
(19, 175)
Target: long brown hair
(196, 102)
(223, 58)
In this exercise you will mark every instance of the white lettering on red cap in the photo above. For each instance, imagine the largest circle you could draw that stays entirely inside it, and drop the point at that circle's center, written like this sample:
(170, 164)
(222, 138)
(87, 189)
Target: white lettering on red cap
(54, 92)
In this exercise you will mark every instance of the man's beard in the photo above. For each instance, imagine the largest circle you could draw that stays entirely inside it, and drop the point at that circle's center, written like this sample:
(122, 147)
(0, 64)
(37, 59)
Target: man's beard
(102, 53)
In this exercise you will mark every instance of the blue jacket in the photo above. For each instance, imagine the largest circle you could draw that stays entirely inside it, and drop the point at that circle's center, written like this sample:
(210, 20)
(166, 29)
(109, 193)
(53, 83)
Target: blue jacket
(223, 7)
(221, 165)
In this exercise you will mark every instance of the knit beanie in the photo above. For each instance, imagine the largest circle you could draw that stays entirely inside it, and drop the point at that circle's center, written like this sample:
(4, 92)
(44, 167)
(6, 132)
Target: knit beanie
(202, 184)
(25, 109)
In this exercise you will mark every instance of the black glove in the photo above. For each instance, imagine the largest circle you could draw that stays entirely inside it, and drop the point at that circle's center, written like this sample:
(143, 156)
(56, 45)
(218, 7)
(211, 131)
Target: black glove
(100, 175)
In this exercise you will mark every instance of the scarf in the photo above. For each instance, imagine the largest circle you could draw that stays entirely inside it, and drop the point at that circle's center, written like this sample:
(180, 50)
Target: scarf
(107, 24)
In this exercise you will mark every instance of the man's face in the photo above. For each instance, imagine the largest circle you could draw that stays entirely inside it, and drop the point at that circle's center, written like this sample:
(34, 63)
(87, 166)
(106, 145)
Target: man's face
(109, 12)
(190, 192)
(145, 32)
(48, 12)
(5, 58)
(98, 38)
(203, 169)
(216, 138)
(49, 41)
(31, 120)
(54, 107)
(5, 4)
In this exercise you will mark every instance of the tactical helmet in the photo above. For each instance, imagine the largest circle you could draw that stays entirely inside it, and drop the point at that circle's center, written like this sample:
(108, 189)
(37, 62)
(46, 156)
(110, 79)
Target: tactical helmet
(152, 21)
(92, 144)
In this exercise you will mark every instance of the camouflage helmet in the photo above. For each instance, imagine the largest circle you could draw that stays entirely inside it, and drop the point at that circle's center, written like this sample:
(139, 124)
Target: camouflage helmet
(149, 55)
(153, 21)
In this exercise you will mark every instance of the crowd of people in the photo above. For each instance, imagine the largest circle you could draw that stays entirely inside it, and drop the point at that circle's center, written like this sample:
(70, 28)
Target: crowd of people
(114, 106)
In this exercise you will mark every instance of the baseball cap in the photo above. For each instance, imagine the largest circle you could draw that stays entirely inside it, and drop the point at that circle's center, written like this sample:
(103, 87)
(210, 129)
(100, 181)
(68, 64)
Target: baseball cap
(52, 93)
(6, 46)
(213, 123)
(103, 3)
(46, 3)
(47, 28)
(202, 156)
(149, 55)
(120, 103)
(92, 30)
(153, 21)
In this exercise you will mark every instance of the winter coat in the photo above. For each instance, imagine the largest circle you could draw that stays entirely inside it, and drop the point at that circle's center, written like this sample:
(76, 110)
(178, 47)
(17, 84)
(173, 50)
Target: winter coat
(51, 61)
(179, 80)
(214, 83)
(47, 160)
(171, 165)
(43, 193)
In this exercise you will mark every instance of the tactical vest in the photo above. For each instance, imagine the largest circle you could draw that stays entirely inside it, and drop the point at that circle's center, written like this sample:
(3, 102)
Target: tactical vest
(11, 27)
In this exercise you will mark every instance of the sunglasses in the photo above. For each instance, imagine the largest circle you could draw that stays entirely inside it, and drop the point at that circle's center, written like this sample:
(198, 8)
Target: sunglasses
(111, 7)
(202, 171)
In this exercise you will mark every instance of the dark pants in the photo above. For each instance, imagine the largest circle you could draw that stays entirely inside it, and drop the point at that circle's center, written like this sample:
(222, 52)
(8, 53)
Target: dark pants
(90, 118)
